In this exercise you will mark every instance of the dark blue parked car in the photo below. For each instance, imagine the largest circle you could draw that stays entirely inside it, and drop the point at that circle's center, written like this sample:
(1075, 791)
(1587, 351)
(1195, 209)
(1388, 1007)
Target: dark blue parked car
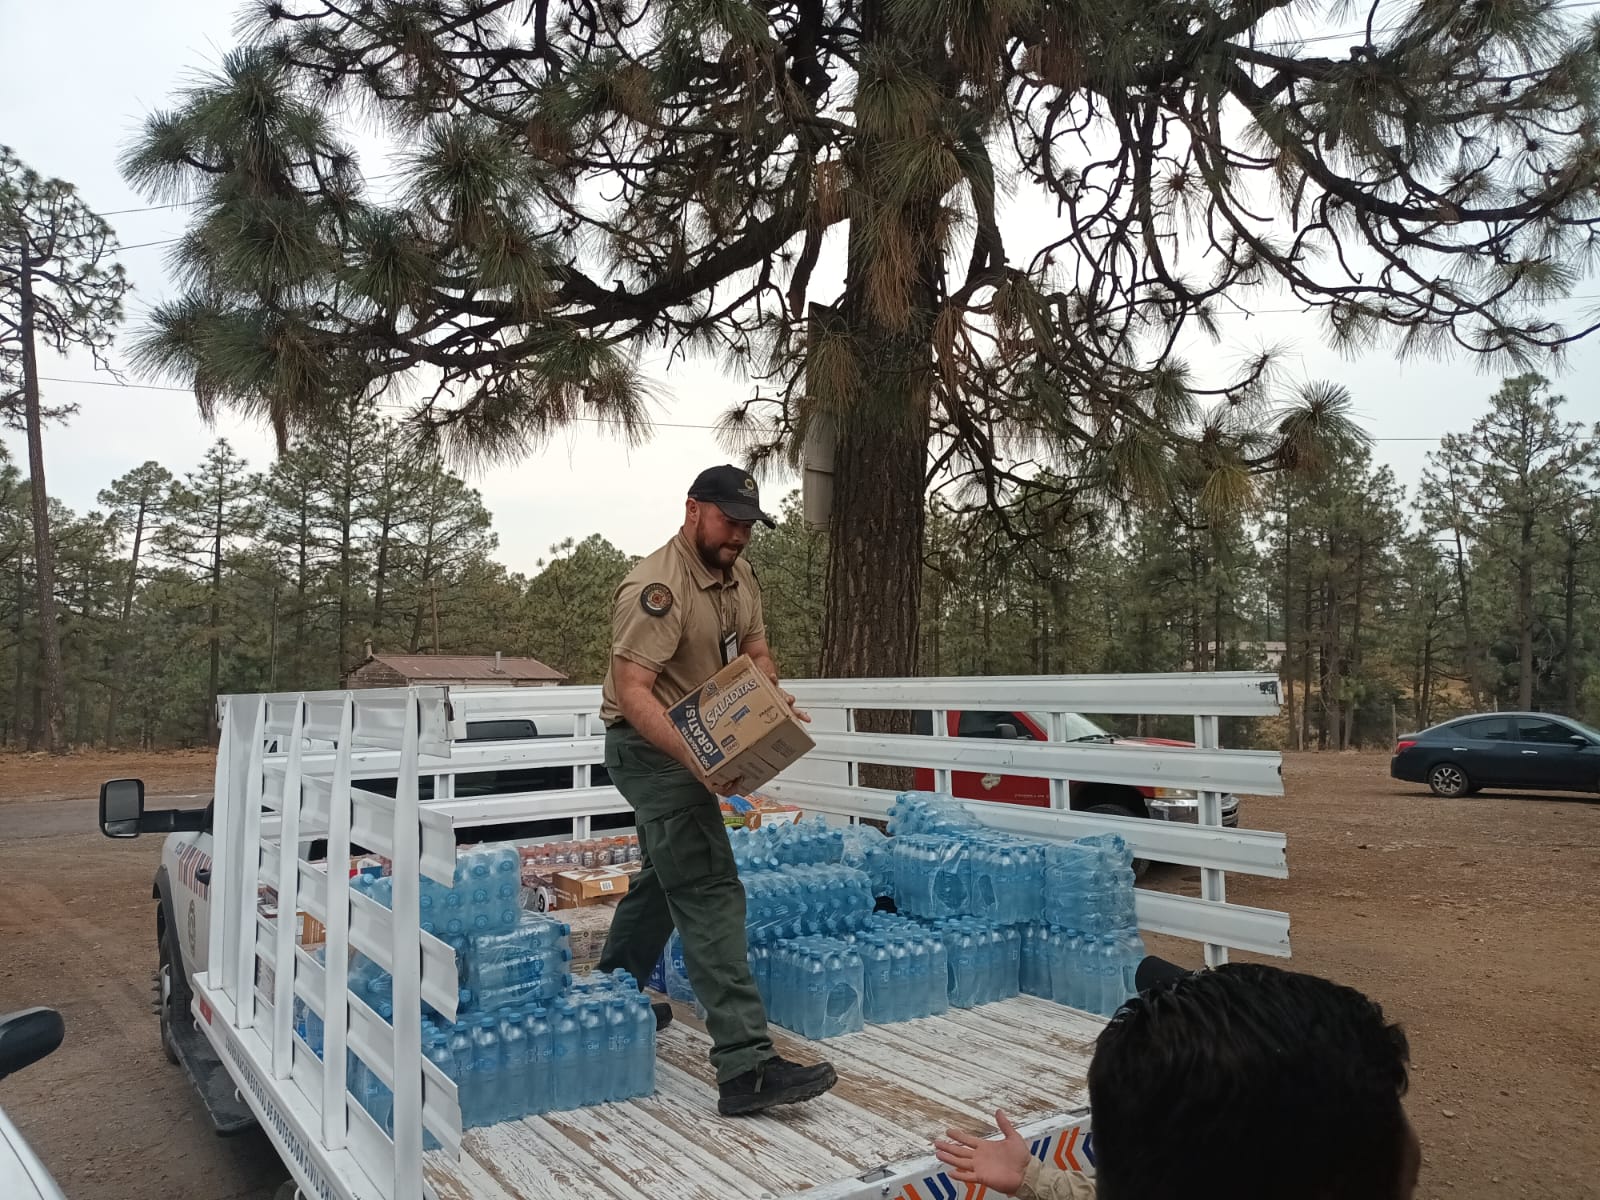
(1501, 750)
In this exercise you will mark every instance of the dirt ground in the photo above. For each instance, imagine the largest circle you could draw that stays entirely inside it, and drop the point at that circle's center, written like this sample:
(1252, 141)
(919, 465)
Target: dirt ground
(1472, 921)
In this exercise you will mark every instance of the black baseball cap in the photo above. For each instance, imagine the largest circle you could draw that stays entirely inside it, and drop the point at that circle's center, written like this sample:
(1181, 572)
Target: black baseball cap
(733, 490)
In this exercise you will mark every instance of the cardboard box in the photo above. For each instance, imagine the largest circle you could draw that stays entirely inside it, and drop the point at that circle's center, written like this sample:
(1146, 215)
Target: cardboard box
(589, 927)
(739, 728)
(752, 812)
(589, 885)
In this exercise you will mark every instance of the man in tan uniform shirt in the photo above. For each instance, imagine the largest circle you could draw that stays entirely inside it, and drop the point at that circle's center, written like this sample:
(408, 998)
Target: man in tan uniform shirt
(682, 614)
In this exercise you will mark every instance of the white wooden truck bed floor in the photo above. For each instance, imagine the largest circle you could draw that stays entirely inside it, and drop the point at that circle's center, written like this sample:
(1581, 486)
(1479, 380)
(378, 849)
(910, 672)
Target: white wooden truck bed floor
(899, 1086)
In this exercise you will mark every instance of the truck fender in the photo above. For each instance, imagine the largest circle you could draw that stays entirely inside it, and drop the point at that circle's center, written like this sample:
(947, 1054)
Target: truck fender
(166, 919)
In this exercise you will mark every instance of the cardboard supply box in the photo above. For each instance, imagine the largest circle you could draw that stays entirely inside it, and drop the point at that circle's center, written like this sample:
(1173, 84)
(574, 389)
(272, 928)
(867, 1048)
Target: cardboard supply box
(556, 888)
(589, 927)
(752, 812)
(739, 728)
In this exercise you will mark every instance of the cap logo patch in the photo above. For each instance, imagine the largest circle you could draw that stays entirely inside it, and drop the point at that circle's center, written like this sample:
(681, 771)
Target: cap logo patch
(656, 599)
(750, 487)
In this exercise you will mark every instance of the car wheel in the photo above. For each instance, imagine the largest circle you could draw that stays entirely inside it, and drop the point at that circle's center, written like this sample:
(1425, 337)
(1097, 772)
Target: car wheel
(1140, 866)
(1448, 780)
(166, 990)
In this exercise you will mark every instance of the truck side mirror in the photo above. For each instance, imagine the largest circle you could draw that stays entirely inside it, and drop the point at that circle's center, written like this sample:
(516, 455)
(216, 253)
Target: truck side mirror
(1006, 732)
(27, 1036)
(121, 807)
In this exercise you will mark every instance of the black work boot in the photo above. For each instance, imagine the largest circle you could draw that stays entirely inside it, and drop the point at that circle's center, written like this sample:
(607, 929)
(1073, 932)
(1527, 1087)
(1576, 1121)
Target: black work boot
(663, 1014)
(776, 1081)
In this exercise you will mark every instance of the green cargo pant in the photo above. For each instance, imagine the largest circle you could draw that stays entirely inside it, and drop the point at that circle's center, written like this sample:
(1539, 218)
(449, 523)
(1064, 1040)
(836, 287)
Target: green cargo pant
(687, 880)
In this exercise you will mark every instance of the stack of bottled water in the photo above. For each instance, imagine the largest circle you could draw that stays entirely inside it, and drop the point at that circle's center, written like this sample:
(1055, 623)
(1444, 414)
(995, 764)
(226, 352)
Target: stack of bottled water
(905, 970)
(816, 984)
(592, 1044)
(976, 874)
(932, 875)
(1093, 972)
(866, 849)
(486, 894)
(529, 962)
(984, 961)
(929, 812)
(808, 842)
(799, 901)
(1007, 878)
(1088, 885)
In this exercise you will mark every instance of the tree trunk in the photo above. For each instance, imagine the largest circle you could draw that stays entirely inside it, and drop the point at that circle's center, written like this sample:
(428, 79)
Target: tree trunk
(114, 699)
(1569, 649)
(215, 684)
(1288, 609)
(1470, 646)
(380, 576)
(1525, 615)
(55, 701)
(1305, 663)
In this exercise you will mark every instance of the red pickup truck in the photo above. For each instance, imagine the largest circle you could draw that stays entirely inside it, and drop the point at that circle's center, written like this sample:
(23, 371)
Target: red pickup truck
(1160, 804)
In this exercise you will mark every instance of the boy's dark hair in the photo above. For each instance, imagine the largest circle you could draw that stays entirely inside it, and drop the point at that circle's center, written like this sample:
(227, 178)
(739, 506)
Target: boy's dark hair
(1251, 1083)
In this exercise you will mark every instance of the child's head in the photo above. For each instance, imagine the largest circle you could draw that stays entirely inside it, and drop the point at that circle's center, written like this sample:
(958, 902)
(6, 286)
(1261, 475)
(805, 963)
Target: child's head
(1252, 1083)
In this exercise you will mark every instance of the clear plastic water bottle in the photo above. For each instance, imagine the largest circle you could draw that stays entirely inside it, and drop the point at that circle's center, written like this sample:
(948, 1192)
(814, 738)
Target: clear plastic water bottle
(541, 1061)
(877, 994)
(900, 977)
(619, 1044)
(917, 977)
(842, 1007)
(642, 1047)
(814, 1015)
(938, 996)
(514, 1065)
(486, 1078)
(964, 965)
(1010, 962)
(592, 1027)
(1130, 948)
(567, 1054)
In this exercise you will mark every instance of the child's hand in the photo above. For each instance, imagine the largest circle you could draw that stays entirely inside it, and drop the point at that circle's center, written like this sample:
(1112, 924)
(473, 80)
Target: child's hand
(996, 1164)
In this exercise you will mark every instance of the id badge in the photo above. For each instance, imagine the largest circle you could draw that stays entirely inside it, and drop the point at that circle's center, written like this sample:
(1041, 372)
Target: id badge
(730, 647)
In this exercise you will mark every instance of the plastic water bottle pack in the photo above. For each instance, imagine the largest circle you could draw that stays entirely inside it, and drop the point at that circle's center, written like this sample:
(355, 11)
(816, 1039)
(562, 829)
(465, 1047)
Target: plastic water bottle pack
(1088, 885)
(486, 894)
(593, 1044)
(1093, 972)
(808, 842)
(932, 875)
(869, 851)
(984, 961)
(816, 987)
(904, 973)
(529, 962)
(930, 812)
(812, 901)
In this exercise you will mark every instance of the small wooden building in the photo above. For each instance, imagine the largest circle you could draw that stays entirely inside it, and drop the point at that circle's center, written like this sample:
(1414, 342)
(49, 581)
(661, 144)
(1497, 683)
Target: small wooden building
(458, 670)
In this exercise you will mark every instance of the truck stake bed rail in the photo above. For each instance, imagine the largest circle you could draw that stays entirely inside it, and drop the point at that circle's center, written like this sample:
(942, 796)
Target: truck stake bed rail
(291, 770)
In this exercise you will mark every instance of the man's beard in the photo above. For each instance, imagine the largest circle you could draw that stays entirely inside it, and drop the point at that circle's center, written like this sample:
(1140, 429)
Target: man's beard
(711, 553)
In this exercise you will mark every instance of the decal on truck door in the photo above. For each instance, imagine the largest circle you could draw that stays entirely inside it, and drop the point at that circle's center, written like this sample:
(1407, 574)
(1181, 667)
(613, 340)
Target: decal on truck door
(191, 923)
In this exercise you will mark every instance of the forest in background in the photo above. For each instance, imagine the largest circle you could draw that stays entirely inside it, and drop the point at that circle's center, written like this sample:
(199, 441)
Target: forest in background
(1478, 586)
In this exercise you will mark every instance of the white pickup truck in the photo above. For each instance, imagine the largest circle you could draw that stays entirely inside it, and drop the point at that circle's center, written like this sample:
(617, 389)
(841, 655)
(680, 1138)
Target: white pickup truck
(303, 779)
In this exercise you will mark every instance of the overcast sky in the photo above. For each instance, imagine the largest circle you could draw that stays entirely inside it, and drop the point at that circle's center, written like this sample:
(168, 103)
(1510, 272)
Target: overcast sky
(80, 77)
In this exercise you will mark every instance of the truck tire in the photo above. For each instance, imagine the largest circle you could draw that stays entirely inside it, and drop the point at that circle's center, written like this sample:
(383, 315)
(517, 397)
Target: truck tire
(1140, 866)
(169, 978)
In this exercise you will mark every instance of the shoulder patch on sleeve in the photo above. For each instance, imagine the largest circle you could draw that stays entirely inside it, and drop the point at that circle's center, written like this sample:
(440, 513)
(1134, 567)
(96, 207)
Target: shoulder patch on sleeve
(656, 599)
